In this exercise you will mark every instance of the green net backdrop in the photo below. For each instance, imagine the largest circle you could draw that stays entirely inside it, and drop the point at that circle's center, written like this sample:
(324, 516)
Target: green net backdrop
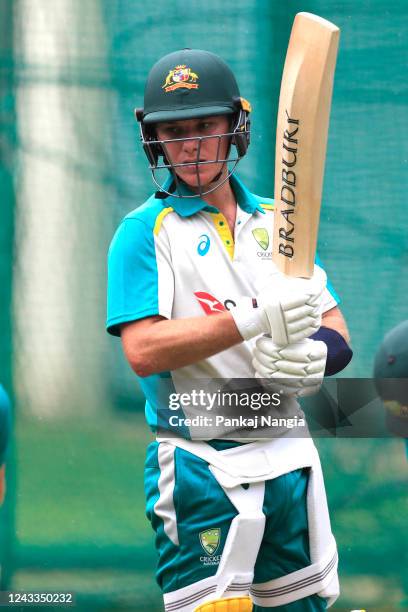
(71, 73)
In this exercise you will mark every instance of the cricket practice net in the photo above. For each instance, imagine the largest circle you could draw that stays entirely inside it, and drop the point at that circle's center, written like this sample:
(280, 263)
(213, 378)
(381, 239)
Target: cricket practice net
(71, 167)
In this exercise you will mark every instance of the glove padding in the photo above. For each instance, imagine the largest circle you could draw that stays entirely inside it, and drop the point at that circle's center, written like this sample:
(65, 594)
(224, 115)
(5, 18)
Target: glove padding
(289, 309)
(293, 305)
(294, 370)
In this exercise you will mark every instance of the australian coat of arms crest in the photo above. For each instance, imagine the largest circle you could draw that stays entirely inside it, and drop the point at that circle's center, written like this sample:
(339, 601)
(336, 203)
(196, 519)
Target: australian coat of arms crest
(180, 76)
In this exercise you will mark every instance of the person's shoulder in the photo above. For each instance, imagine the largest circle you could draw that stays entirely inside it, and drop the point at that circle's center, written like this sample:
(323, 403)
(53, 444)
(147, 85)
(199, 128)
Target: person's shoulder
(251, 198)
(267, 204)
(141, 225)
(149, 213)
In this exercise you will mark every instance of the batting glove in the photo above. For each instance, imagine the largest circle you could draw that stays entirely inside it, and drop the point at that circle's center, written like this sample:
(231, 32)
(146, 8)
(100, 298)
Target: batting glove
(294, 370)
(288, 309)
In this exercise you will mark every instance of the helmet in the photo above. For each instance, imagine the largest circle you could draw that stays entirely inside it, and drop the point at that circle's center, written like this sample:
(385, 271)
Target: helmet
(391, 377)
(190, 84)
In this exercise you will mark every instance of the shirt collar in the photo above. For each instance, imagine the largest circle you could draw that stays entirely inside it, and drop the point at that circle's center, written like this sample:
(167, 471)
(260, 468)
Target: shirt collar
(186, 207)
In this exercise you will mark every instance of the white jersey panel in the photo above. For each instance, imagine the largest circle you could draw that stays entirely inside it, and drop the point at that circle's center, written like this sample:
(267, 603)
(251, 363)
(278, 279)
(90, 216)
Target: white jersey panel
(211, 275)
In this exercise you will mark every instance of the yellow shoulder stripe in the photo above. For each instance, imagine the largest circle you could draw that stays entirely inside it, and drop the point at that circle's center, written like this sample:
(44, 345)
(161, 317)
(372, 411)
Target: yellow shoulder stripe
(159, 219)
(268, 206)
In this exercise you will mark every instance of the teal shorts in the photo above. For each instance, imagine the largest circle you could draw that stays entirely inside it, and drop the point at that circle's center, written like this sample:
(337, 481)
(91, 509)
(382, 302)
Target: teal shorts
(190, 549)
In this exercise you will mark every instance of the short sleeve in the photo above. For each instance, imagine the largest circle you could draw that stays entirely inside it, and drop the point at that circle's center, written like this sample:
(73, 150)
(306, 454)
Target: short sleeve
(140, 277)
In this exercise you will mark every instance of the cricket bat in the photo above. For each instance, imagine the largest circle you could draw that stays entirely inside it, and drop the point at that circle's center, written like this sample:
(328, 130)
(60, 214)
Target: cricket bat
(301, 139)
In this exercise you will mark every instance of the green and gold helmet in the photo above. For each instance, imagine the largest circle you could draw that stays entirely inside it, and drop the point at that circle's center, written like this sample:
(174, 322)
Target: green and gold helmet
(391, 377)
(191, 84)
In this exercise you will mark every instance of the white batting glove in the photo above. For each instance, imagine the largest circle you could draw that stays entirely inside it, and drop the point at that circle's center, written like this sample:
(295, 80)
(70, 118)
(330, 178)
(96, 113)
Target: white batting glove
(294, 370)
(289, 309)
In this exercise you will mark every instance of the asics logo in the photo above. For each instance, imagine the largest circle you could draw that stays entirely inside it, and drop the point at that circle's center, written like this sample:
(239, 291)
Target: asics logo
(203, 245)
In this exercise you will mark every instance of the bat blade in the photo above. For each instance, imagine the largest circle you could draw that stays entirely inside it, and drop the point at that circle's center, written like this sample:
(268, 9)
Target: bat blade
(301, 139)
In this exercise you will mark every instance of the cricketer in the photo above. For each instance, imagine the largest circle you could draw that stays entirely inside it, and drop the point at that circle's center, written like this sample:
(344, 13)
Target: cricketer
(193, 293)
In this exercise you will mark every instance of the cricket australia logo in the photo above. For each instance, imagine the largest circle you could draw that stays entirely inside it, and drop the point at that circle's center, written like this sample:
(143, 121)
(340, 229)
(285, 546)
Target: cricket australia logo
(180, 76)
(262, 237)
(210, 540)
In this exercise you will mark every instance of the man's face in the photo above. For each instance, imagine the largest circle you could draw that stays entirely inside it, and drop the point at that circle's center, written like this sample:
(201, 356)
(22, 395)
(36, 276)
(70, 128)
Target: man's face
(191, 151)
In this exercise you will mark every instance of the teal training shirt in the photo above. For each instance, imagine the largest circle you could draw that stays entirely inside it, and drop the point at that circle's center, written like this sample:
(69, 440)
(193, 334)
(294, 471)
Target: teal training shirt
(177, 258)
